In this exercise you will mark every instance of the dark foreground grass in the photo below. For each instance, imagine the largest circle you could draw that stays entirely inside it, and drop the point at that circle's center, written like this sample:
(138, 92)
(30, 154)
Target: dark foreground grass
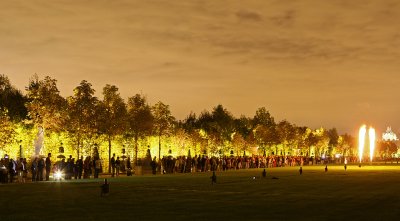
(368, 193)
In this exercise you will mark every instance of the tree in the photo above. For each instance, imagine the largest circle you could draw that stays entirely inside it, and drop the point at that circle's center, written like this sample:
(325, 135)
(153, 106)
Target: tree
(222, 123)
(192, 128)
(322, 141)
(302, 134)
(239, 144)
(82, 118)
(112, 115)
(45, 104)
(190, 124)
(387, 148)
(216, 127)
(265, 136)
(163, 122)
(7, 132)
(263, 117)
(204, 123)
(286, 134)
(333, 139)
(345, 144)
(180, 141)
(310, 140)
(243, 134)
(140, 119)
(46, 108)
(12, 100)
(243, 126)
(264, 129)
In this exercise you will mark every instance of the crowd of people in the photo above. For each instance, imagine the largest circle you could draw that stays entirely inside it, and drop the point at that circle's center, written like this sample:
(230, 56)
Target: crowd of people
(11, 169)
(40, 168)
(183, 164)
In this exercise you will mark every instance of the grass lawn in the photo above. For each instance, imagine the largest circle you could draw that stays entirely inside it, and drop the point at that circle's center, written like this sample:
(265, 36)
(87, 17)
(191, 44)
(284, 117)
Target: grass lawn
(367, 193)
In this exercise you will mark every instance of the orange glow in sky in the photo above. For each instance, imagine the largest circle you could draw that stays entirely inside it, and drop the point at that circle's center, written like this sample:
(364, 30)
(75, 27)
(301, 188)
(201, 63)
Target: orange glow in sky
(314, 63)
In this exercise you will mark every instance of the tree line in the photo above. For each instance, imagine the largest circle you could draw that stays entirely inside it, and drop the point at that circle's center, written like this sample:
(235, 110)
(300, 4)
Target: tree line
(82, 122)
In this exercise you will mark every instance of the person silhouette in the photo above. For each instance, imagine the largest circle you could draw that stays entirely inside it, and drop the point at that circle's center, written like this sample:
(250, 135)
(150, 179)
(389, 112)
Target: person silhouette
(264, 173)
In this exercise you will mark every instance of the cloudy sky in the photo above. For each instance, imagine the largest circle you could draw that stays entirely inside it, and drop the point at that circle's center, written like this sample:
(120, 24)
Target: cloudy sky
(315, 63)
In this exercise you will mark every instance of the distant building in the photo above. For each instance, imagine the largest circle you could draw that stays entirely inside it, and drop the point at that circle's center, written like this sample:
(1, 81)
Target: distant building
(389, 135)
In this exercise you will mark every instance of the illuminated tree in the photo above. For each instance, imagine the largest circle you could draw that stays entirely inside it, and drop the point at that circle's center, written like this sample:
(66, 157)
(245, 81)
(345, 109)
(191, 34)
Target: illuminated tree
(286, 133)
(163, 122)
(7, 132)
(346, 145)
(192, 129)
(218, 127)
(205, 130)
(333, 139)
(239, 144)
(111, 115)
(264, 129)
(244, 127)
(181, 140)
(386, 148)
(82, 119)
(243, 137)
(322, 141)
(302, 134)
(222, 123)
(45, 105)
(140, 119)
(310, 140)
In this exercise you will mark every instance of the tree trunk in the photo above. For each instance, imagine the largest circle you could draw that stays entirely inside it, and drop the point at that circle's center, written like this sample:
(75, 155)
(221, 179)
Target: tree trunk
(136, 150)
(159, 147)
(109, 154)
(160, 166)
(77, 149)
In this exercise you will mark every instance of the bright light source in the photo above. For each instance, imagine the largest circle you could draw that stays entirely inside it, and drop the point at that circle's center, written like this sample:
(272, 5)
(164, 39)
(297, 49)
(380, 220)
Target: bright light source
(58, 175)
(371, 134)
(361, 141)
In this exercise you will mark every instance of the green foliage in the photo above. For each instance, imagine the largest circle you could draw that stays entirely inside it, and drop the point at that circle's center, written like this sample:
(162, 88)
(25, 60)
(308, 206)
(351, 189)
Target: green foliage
(45, 104)
(82, 120)
(111, 115)
(12, 100)
(111, 112)
(263, 117)
(163, 122)
(218, 127)
(140, 118)
(7, 131)
(386, 148)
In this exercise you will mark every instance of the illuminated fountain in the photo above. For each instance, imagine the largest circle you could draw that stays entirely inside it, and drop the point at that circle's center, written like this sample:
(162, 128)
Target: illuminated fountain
(371, 134)
(361, 142)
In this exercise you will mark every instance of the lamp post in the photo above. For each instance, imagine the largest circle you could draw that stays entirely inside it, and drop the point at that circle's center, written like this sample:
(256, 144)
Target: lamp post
(61, 149)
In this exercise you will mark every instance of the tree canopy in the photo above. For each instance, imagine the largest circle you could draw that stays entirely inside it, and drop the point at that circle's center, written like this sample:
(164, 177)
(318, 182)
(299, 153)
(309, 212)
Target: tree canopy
(81, 121)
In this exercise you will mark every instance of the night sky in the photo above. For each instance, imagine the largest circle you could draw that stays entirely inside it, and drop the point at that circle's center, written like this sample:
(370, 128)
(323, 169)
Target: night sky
(315, 63)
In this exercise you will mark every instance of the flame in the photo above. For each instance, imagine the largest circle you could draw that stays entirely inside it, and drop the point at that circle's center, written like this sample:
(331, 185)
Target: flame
(361, 141)
(371, 134)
